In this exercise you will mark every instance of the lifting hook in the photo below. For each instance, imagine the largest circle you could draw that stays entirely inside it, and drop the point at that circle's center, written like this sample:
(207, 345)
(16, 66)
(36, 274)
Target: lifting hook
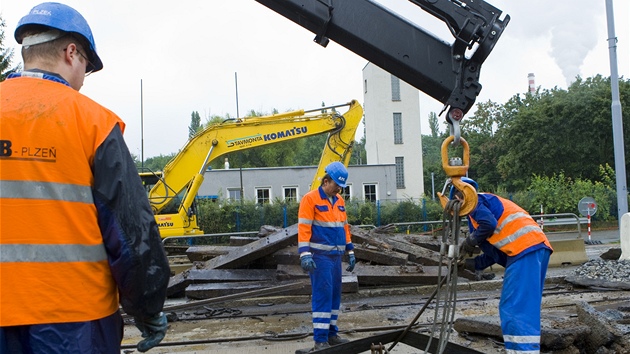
(455, 169)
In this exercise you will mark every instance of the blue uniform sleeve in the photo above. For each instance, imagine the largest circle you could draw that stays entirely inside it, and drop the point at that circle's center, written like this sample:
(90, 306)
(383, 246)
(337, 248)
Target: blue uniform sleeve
(131, 236)
(486, 223)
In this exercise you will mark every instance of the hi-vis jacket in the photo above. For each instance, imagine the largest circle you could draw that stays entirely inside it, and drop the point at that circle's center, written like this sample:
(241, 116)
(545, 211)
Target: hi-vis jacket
(505, 225)
(323, 227)
(77, 229)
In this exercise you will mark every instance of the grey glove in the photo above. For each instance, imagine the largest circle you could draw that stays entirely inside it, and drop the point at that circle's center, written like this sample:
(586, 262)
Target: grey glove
(467, 246)
(153, 330)
(307, 262)
(352, 261)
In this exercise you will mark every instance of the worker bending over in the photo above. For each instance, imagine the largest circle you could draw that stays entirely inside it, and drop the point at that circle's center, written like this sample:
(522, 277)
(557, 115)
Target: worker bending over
(323, 238)
(78, 237)
(508, 236)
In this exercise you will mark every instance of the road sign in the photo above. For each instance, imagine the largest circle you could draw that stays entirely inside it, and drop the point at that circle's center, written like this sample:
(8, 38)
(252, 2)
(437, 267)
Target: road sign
(587, 206)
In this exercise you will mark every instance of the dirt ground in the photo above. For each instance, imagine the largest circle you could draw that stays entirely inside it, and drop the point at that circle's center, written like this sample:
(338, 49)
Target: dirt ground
(243, 334)
(283, 324)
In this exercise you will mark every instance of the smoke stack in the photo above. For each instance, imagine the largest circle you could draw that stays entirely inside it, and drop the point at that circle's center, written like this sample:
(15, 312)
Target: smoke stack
(532, 83)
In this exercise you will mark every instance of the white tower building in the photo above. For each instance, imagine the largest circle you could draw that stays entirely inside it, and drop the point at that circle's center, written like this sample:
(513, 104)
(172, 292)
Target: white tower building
(392, 128)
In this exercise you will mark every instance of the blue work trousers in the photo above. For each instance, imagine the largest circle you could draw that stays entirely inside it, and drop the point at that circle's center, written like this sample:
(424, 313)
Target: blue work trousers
(326, 296)
(521, 299)
(101, 336)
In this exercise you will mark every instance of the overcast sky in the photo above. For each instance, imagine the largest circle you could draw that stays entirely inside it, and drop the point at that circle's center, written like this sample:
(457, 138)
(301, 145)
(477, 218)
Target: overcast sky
(187, 53)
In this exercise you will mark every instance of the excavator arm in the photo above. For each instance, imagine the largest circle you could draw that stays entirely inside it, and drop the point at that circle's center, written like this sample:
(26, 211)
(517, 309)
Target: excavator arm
(172, 192)
(407, 51)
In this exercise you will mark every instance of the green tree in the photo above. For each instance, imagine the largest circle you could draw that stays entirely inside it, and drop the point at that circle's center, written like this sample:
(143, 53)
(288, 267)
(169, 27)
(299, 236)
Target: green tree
(6, 55)
(433, 125)
(432, 157)
(359, 154)
(557, 130)
(479, 131)
(195, 124)
(155, 163)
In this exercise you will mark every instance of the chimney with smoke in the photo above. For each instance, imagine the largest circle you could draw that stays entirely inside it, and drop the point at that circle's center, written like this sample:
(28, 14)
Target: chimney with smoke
(532, 83)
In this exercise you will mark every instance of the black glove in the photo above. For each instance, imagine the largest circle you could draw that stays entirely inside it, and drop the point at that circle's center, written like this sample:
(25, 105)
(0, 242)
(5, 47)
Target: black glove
(467, 246)
(153, 330)
(468, 264)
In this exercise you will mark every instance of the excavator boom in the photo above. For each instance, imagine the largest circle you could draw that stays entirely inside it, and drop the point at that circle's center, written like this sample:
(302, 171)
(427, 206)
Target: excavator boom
(172, 192)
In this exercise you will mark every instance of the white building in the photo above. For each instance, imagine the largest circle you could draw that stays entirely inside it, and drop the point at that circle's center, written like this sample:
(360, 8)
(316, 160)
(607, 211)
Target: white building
(392, 128)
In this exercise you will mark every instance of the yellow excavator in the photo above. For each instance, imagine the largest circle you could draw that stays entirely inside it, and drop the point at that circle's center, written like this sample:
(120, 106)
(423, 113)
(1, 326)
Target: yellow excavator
(172, 192)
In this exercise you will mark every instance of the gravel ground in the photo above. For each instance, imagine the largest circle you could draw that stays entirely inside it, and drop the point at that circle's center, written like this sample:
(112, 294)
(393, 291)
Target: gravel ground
(366, 313)
(605, 270)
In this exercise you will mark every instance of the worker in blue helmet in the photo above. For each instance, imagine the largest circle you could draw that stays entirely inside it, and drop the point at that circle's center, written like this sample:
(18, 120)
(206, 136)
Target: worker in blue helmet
(507, 235)
(323, 239)
(95, 245)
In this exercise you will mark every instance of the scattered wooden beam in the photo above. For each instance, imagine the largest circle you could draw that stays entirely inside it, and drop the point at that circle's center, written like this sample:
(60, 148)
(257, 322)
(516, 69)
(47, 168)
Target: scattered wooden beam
(349, 284)
(242, 240)
(379, 257)
(178, 284)
(417, 254)
(376, 275)
(244, 255)
(248, 294)
(204, 253)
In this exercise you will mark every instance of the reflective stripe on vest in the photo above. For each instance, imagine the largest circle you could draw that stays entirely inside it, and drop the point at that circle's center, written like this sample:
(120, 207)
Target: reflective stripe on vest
(516, 230)
(46, 190)
(52, 253)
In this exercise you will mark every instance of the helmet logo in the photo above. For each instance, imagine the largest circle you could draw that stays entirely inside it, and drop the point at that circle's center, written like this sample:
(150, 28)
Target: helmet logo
(41, 12)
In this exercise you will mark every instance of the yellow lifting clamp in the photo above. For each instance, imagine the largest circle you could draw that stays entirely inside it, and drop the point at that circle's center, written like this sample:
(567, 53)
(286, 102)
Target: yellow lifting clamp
(455, 170)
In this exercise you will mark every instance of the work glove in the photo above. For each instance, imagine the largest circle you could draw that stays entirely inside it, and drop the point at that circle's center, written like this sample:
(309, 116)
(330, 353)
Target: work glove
(307, 262)
(467, 246)
(352, 261)
(468, 264)
(153, 331)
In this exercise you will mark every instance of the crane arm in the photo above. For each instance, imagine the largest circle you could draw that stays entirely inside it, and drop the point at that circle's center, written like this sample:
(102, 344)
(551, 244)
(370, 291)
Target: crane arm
(407, 51)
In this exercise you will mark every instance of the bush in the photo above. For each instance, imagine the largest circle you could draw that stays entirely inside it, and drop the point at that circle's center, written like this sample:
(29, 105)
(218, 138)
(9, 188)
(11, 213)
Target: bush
(557, 194)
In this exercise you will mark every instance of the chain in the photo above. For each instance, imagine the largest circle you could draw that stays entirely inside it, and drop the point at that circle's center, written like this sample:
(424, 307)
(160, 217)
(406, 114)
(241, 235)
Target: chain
(446, 298)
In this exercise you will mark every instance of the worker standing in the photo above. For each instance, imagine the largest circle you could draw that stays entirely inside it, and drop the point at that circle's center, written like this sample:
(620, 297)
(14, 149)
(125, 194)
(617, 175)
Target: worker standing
(78, 236)
(510, 237)
(323, 238)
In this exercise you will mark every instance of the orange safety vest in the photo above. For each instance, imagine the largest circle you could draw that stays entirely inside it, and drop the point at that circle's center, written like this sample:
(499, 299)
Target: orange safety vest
(516, 230)
(53, 264)
(323, 227)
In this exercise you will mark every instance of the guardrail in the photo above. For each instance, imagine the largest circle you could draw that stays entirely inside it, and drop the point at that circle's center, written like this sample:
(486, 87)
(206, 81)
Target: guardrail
(561, 219)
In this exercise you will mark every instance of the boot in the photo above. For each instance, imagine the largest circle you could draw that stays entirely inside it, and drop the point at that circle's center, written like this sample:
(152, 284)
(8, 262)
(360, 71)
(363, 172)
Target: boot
(337, 340)
(320, 346)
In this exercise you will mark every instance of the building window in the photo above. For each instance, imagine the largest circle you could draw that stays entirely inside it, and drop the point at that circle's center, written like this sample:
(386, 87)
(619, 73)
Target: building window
(345, 193)
(395, 88)
(369, 193)
(234, 194)
(400, 172)
(398, 135)
(365, 86)
(263, 195)
(290, 194)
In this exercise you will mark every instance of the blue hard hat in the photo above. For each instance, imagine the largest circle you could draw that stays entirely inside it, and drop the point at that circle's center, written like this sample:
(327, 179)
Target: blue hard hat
(338, 172)
(64, 18)
(465, 180)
